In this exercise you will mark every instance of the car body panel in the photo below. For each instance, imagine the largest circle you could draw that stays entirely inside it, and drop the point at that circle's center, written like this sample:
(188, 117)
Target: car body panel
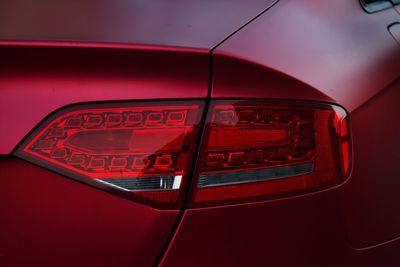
(397, 8)
(371, 198)
(333, 46)
(48, 220)
(348, 55)
(194, 23)
(54, 55)
(37, 80)
(234, 77)
(349, 58)
(289, 232)
(325, 51)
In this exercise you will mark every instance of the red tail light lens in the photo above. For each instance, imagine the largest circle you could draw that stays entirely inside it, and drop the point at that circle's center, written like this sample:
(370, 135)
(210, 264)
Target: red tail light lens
(142, 151)
(253, 151)
(250, 150)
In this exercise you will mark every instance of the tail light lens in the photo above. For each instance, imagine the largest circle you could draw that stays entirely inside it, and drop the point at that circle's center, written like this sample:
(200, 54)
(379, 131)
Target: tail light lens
(140, 151)
(254, 151)
(250, 150)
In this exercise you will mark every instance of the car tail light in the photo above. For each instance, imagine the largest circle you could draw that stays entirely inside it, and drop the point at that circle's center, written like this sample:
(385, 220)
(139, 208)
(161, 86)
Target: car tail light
(141, 151)
(253, 151)
(250, 150)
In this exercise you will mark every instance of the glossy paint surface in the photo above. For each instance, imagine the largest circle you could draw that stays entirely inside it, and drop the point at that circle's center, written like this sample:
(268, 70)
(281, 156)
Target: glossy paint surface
(102, 60)
(235, 77)
(194, 23)
(325, 51)
(48, 220)
(397, 8)
(350, 58)
(394, 30)
(372, 196)
(261, 234)
(334, 46)
(35, 81)
(305, 231)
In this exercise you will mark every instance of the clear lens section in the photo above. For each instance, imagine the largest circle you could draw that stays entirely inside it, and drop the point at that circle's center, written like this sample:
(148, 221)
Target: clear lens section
(127, 147)
(248, 176)
(150, 183)
(253, 151)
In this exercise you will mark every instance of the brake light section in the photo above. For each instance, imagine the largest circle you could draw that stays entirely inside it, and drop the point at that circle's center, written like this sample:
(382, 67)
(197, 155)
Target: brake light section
(255, 150)
(250, 150)
(140, 151)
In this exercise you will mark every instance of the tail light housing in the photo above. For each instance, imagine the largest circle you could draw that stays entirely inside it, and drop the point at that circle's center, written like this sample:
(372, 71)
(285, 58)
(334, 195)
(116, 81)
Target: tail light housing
(139, 151)
(260, 150)
(249, 150)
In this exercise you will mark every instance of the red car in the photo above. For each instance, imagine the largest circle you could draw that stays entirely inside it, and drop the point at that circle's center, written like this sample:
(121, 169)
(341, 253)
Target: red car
(199, 133)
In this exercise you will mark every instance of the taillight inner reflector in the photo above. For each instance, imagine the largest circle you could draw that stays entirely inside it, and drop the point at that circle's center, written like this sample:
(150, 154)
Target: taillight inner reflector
(253, 151)
(142, 151)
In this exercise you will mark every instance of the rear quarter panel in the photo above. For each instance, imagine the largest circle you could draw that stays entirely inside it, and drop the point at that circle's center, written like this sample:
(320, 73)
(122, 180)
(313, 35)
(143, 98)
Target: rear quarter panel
(48, 219)
(331, 51)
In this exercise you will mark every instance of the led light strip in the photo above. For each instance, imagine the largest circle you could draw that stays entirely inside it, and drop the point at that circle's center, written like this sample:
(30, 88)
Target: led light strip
(145, 184)
(249, 176)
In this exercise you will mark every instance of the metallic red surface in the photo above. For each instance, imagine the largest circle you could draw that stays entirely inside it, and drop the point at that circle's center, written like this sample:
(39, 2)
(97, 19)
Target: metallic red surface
(371, 198)
(290, 232)
(305, 231)
(48, 220)
(327, 51)
(348, 57)
(235, 77)
(194, 23)
(35, 81)
(334, 46)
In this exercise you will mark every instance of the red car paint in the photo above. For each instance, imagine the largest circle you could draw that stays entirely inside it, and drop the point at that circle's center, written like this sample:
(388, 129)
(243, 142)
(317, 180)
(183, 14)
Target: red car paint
(53, 78)
(330, 47)
(57, 54)
(179, 23)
